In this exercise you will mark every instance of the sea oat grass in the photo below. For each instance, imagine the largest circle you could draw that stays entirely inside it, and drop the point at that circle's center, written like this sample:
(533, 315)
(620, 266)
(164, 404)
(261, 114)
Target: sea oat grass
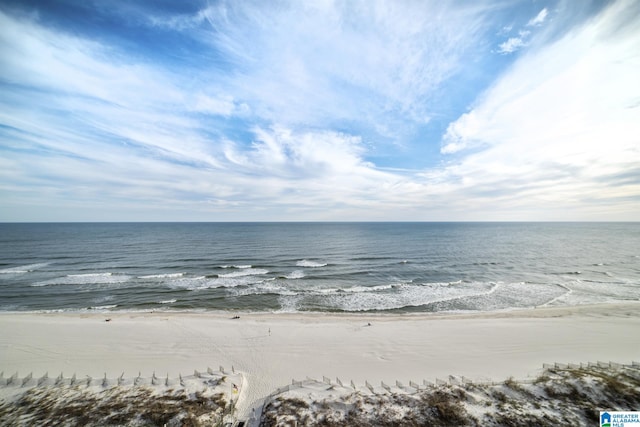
(139, 406)
(558, 397)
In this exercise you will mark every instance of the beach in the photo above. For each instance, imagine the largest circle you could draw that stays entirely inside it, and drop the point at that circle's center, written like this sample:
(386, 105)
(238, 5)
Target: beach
(271, 349)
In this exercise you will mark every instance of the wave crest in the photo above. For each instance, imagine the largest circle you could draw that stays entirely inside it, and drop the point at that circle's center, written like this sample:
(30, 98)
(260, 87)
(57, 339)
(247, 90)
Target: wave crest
(245, 272)
(162, 276)
(310, 264)
(23, 268)
(86, 279)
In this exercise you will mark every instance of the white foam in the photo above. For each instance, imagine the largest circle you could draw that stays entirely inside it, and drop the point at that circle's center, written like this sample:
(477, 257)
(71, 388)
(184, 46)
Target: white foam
(271, 286)
(162, 276)
(494, 288)
(13, 271)
(169, 301)
(57, 310)
(202, 282)
(519, 295)
(289, 304)
(604, 290)
(559, 298)
(86, 279)
(594, 292)
(407, 295)
(310, 264)
(326, 291)
(245, 272)
(90, 275)
(236, 266)
(296, 274)
(104, 299)
(103, 307)
(264, 287)
(366, 298)
(355, 289)
(23, 268)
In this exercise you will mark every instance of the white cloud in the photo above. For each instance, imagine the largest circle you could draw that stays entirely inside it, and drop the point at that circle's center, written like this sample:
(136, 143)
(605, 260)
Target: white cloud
(104, 92)
(220, 105)
(104, 137)
(92, 129)
(42, 58)
(556, 129)
(506, 29)
(511, 45)
(538, 19)
(332, 61)
(460, 134)
(316, 155)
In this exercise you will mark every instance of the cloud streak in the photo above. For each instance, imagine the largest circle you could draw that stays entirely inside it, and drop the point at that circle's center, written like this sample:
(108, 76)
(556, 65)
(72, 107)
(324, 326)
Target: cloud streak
(342, 63)
(538, 19)
(323, 111)
(558, 123)
(513, 44)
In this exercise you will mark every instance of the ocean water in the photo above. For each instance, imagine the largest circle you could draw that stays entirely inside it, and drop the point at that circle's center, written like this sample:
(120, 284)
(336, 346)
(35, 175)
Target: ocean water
(326, 267)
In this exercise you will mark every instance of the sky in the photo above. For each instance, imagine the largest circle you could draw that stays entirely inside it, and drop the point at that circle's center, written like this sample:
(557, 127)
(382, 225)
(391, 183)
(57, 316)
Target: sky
(323, 110)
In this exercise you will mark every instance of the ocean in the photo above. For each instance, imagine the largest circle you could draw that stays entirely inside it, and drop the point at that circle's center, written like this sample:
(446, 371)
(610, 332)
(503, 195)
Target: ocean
(320, 267)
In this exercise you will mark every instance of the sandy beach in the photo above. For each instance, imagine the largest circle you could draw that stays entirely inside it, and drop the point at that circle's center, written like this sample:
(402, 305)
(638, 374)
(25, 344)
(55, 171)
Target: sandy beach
(272, 349)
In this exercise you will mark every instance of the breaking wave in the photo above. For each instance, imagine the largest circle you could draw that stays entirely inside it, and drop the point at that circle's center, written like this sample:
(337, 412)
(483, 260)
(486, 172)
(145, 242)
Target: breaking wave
(297, 274)
(86, 279)
(248, 271)
(23, 268)
(310, 264)
(162, 276)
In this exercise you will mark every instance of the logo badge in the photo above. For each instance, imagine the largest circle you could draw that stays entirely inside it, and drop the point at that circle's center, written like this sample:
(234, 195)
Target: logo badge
(619, 418)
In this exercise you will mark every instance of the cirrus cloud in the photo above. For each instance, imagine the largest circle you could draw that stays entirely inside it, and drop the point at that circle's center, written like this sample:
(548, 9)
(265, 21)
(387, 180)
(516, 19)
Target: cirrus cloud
(324, 111)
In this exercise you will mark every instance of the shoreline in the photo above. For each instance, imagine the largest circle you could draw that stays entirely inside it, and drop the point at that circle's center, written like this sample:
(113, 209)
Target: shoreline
(271, 349)
(538, 311)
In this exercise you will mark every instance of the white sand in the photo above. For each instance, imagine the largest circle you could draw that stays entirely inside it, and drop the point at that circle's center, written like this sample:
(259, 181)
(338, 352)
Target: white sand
(412, 347)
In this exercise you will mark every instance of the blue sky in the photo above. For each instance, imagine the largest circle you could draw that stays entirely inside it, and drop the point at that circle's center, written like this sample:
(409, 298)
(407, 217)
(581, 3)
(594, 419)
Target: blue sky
(320, 110)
